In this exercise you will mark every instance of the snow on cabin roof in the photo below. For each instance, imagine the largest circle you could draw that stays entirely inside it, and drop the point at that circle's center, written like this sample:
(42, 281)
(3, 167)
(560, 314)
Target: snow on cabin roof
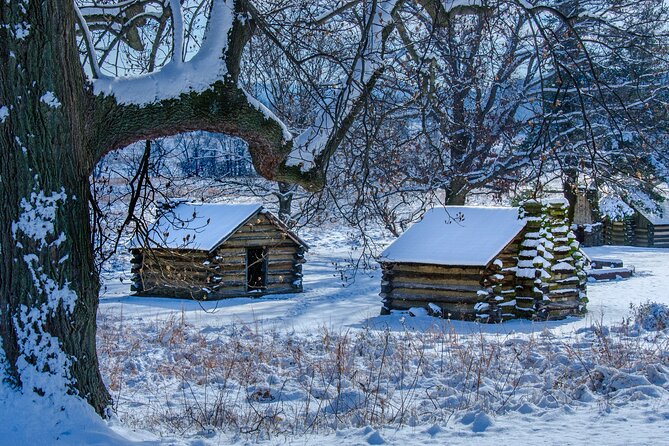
(657, 216)
(456, 235)
(205, 226)
(199, 226)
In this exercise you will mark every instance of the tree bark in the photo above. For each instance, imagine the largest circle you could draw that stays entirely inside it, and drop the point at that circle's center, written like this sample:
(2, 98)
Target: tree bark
(48, 282)
(455, 193)
(285, 198)
(570, 189)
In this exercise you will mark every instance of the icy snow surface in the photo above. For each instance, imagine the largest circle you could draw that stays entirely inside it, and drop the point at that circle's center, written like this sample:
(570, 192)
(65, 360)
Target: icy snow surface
(50, 99)
(198, 225)
(456, 235)
(613, 207)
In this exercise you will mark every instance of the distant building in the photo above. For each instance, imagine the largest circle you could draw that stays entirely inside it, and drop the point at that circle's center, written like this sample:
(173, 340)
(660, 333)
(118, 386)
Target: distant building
(641, 227)
(487, 263)
(213, 251)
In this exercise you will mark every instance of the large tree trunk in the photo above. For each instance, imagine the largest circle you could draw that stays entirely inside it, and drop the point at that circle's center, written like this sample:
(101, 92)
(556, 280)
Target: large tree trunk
(455, 192)
(285, 198)
(48, 282)
(570, 189)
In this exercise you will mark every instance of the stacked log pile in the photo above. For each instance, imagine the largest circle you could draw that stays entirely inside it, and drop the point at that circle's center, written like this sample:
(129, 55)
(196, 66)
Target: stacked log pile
(497, 298)
(564, 285)
(531, 259)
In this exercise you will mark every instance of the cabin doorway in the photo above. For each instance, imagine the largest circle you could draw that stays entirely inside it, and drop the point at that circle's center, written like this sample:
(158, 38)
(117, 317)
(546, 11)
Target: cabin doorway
(256, 269)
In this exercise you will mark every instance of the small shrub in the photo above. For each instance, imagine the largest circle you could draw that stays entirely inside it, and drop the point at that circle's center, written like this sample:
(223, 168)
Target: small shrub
(651, 316)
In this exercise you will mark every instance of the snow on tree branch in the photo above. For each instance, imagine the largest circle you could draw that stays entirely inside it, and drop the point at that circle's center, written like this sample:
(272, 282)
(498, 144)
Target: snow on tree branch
(311, 144)
(175, 79)
(253, 102)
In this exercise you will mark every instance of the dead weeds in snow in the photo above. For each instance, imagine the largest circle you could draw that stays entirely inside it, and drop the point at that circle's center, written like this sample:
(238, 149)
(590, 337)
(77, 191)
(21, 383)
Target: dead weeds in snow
(170, 377)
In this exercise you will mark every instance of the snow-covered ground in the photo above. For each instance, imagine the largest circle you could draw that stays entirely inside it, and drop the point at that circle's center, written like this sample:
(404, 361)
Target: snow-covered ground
(323, 368)
(634, 412)
(354, 303)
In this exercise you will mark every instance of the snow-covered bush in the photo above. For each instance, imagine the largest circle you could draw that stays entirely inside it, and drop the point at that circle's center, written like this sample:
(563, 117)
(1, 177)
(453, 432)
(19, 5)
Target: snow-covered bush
(651, 316)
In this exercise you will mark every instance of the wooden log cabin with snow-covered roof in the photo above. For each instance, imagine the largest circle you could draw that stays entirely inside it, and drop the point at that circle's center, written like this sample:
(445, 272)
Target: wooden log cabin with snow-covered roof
(486, 263)
(214, 251)
(642, 227)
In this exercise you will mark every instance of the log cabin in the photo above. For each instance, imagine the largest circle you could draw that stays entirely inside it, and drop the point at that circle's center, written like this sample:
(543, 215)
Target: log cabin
(487, 263)
(213, 251)
(643, 227)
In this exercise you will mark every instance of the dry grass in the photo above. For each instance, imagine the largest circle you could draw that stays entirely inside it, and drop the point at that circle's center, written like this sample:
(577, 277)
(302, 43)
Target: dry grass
(169, 377)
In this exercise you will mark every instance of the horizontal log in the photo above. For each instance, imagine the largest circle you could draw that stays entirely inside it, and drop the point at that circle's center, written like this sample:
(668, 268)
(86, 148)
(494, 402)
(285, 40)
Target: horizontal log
(598, 263)
(560, 306)
(281, 243)
(436, 269)
(194, 269)
(282, 269)
(226, 284)
(185, 264)
(263, 231)
(185, 253)
(267, 237)
(278, 258)
(177, 293)
(227, 258)
(260, 220)
(472, 288)
(222, 250)
(285, 264)
(610, 273)
(453, 309)
(290, 250)
(433, 296)
(274, 280)
(453, 279)
(194, 277)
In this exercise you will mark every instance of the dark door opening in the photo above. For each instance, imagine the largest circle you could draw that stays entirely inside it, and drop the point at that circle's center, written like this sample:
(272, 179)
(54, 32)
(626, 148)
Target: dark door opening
(256, 269)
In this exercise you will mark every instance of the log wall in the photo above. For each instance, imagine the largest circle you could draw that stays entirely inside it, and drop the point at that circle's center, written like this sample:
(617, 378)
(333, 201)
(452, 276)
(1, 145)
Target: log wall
(221, 273)
(660, 236)
(453, 289)
(636, 230)
(643, 231)
(619, 233)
